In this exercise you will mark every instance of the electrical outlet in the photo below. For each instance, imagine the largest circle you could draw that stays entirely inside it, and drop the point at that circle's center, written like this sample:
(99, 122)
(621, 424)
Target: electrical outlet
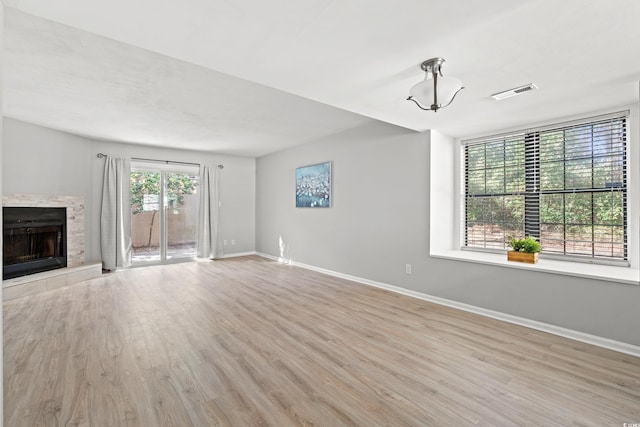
(233, 242)
(224, 242)
(407, 268)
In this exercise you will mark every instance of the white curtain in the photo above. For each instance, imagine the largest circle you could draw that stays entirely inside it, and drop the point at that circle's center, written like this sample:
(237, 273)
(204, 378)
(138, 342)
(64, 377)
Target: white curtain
(115, 215)
(209, 240)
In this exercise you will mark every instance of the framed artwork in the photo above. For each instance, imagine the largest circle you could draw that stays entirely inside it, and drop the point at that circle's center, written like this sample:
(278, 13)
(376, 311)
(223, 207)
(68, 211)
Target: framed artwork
(313, 186)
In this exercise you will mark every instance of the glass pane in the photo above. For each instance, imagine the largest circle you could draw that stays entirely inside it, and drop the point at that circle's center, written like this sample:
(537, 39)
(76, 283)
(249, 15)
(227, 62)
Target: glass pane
(552, 176)
(578, 208)
(475, 182)
(609, 241)
(617, 251)
(608, 208)
(514, 179)
(552, 238)
(475, 222)
(491, 221)
(495, 239)
(514, 151)
(475, 157)
(608, 138)
(551, 146)
(495, 180)
(474, 209)
(182, 204)
(552, 209)
(513, 212)
(603, 234)
(603, 249)
(494, 156)
(579, 239)
(578, 174)
(145, 216)
(608, 172)
(578, 142)
(475, 233)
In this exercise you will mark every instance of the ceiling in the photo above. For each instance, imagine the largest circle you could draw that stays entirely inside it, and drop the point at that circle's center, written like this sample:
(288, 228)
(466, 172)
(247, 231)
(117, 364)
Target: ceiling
(250, 77)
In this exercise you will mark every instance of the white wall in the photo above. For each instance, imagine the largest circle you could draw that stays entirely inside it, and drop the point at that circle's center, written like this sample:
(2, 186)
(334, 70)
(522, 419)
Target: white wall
(44, 161)
(379, 223)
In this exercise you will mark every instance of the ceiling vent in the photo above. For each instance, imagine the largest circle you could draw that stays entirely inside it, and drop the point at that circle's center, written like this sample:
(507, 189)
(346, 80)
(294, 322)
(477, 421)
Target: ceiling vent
(515, 91)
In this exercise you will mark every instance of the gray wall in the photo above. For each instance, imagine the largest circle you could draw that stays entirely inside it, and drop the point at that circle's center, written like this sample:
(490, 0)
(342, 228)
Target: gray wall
(379, 223)
(44, 161)
(1, 151)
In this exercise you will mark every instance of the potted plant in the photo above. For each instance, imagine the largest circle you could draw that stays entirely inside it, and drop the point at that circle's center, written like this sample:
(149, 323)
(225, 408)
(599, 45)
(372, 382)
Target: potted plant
(524, 250)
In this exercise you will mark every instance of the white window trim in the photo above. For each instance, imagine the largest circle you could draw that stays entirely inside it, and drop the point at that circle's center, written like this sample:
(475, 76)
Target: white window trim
(446, 211)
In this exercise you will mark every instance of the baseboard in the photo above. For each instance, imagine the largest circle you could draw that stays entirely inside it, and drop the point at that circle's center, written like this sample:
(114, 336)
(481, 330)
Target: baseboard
(235, 255)
(610, 344)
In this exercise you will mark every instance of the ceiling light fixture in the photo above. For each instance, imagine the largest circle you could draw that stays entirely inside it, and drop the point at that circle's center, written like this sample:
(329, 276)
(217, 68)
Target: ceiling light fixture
(435, 88)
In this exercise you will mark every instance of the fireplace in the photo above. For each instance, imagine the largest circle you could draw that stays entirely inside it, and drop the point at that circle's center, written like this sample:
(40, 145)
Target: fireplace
(34, 240)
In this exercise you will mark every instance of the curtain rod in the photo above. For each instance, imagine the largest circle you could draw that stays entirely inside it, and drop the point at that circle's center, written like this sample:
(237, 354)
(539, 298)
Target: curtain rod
(102, 156)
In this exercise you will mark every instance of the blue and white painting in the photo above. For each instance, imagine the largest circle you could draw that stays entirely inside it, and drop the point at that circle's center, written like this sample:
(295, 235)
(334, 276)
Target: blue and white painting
(313, 186)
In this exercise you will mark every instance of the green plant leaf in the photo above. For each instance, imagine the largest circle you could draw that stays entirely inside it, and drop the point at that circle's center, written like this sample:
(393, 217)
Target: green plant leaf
(529, 244)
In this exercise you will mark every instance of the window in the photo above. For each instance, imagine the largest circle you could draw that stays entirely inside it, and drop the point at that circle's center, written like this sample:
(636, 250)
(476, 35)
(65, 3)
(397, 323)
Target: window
(564, 184)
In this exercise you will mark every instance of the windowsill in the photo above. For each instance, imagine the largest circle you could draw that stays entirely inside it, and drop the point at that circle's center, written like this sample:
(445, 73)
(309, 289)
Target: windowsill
(609, 273)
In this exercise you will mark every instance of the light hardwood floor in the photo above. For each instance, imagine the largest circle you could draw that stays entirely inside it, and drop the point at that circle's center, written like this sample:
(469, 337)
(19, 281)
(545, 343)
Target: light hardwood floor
(247, 341)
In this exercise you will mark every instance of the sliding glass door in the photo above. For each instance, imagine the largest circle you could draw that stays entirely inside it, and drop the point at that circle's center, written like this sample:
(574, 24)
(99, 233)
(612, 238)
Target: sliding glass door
(164, 212)
(145, 215)
(181, 215)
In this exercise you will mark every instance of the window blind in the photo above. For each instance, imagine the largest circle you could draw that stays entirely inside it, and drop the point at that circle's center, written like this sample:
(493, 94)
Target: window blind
(564, 184)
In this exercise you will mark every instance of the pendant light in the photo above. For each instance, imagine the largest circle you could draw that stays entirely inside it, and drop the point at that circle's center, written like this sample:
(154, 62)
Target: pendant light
(435, 91)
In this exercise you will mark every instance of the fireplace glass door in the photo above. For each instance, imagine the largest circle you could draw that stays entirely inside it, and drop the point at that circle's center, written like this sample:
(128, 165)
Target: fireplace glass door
(164, 212)
(34, 240)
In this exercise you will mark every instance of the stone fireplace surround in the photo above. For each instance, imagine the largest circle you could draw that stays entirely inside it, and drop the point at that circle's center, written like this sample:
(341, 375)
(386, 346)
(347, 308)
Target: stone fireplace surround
(76, 270)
